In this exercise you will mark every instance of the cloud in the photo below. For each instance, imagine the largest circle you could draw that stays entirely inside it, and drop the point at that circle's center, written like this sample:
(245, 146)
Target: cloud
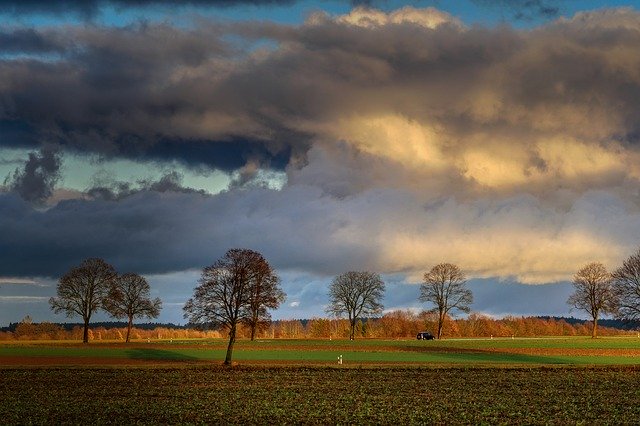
(407, 139)
(526, 9)
(18, 281)
(91, 7)
(35, 181)
(299, 228)
(367, 17)
(22, 299)
(468, 96)
(109, 190)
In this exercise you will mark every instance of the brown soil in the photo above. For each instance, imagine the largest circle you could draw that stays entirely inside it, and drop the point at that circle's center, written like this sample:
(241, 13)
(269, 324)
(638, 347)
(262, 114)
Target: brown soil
(7, 361)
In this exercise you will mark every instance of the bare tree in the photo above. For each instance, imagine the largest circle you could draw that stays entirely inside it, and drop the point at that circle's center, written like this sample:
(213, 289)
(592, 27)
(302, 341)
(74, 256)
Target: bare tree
(265, 294)
(626, 286)
(356, 294)
(445, 285)
(82, 290)
(224, 294)
(593, 293)
(129, 298)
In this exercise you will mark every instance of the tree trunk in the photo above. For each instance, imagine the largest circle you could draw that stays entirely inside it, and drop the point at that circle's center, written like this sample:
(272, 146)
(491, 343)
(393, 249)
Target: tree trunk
(594, 329)
(352, 333)
(254, 326)
(440, 324)
(85, 333)
(232, 340)
(129, 329)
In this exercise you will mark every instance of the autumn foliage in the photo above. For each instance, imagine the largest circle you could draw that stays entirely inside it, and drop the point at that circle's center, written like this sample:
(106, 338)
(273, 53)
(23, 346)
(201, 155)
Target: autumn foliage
(393, 325)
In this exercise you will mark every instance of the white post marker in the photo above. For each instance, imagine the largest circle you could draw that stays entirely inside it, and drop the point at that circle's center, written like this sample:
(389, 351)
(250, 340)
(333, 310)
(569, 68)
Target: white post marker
(340, 360)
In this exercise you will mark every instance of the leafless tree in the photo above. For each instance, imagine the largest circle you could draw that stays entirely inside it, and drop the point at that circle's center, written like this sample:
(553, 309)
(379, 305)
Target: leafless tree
(593, 293)
(265, 294)
(224, 294)
(626, 286)
(445, 285)
(82, 290)
(356, 294)
(129, 298)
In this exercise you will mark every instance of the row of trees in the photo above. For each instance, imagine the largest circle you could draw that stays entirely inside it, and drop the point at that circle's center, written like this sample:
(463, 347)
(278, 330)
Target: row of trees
(403, 324)
(398, 324)
(95, 285)
(29, 330)
(598, 291)
(240, 288)
(359, 294)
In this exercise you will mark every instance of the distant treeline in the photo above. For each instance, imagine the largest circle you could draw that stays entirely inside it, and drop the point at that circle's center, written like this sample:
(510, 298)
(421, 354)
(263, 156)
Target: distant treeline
(68, 326)
(619, 324)
(393, 325)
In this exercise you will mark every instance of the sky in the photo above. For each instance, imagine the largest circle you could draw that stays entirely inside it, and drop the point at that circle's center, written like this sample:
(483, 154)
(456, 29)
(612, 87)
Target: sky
(390, 136)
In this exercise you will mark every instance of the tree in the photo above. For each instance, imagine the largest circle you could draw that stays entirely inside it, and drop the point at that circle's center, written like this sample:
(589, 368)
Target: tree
(129, 298)
(445, 285)
(355, 294)
(626, 286)
(265, 294)
(224, 294)
(593, 293)
(82, 290)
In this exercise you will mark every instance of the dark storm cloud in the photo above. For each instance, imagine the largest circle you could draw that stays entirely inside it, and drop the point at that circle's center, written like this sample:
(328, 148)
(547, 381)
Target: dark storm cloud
(162, 92)
(157, 232)
(26, 40)
(91, 7)
(113, 191)
(141, 92)
(35, 181)
(526, 9)
(199, 96)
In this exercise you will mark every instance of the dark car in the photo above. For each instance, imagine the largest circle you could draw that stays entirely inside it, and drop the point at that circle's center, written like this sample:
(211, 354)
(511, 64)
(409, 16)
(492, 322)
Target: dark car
(425, 335)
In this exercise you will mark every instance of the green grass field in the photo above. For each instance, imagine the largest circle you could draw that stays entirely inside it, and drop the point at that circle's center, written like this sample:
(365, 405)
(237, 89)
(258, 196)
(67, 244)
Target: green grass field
(468, 352)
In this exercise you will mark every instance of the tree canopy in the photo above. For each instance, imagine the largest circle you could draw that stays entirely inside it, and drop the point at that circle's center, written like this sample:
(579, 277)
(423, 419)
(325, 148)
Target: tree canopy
(445, 285)
(227, 289)
(626, 286)
(81, 291)
(593, 293)
(356, 294)
(129, 297)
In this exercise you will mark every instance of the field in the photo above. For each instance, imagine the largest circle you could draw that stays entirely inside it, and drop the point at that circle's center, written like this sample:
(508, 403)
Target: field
(465, 352)
(526, 381)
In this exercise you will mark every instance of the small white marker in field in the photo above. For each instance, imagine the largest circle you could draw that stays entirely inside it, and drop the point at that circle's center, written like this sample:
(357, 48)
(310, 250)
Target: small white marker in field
(340, 360)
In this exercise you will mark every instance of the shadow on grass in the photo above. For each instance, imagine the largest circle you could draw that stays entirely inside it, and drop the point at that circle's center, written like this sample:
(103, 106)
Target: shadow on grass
(488, 356)
(158, 355)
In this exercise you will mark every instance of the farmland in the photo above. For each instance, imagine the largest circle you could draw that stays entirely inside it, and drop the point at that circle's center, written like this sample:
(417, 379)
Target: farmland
(465, 352)
(527, 381)
(273, 395)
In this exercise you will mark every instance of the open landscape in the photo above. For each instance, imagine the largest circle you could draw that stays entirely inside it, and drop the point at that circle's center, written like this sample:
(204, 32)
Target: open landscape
(319, 212)
(526, 381)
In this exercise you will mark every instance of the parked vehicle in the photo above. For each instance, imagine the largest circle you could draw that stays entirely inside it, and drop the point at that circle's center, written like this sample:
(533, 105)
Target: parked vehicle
(425, 335)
